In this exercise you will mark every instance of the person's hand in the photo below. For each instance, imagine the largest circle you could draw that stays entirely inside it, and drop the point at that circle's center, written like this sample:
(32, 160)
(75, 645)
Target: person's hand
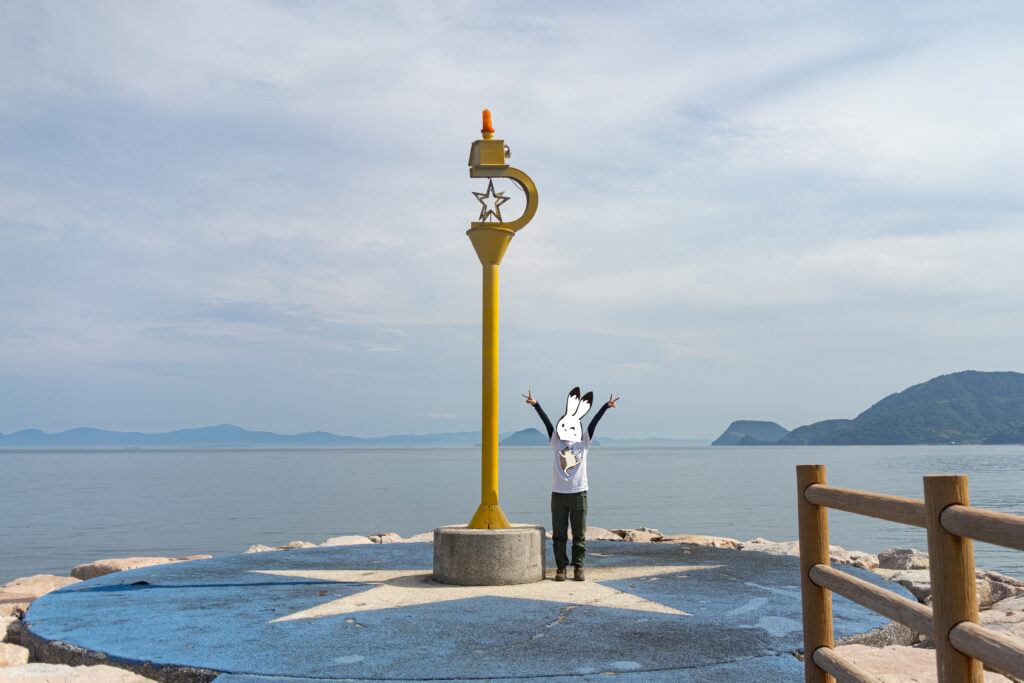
(612, 400)
(529, 397)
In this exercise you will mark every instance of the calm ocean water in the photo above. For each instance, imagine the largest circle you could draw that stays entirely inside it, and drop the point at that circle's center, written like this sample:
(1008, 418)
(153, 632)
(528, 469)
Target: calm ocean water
(60, 509)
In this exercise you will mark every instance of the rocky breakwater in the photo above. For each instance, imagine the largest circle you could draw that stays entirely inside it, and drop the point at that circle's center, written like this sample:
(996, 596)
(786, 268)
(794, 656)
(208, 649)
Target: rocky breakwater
(895, 653)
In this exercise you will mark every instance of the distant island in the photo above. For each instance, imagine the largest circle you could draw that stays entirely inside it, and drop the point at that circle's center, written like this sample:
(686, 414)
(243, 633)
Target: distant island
(968, 407)
(230, 436)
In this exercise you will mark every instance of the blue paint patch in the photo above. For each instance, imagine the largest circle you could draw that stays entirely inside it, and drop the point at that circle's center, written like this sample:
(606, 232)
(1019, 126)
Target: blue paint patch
(219, 614)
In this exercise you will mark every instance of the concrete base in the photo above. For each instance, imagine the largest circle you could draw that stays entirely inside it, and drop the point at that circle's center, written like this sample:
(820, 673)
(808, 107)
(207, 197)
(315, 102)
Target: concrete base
(489, 557)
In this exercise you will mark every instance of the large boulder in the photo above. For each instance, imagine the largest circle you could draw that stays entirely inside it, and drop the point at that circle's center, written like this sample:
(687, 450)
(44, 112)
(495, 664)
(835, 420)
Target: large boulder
(641, 534)
(701, 540)
(17, 595)
(902, 558)
(62, 673)
(12, 655)
(91, 570)
(346, 540)
(425, 537)
(994, 587)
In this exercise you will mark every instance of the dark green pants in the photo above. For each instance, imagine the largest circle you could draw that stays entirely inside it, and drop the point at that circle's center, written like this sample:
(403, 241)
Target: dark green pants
(569, 508)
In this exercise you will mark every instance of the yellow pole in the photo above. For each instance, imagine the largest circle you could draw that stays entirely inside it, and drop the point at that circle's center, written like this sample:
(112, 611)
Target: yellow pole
(489, 515)
(490, 240)
(489, 421)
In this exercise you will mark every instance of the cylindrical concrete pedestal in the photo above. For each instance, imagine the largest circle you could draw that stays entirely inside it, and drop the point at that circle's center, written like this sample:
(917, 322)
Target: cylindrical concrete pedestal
(489, 557)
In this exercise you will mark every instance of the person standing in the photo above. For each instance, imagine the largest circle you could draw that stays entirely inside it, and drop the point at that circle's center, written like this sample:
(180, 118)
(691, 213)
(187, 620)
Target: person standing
(571, 444)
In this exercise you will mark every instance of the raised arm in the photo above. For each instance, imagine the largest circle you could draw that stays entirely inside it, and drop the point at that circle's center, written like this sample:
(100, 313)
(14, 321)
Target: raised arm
(540, 411)
(593, 423)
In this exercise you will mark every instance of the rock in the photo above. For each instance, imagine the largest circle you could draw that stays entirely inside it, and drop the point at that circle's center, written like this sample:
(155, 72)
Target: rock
(260, 548)
(895, 664)
(12, 655)
(425, 537)
(997, 587)
(703, 541)
(346, 540)
(893, 633)
(639, 535)
(596, 533)
(388, 537)
(62, 673)
(91, 570)
(853, 558)
(917, 581)
(10, 629)
(902, 558)
(16, 596)
(1006, 616)
(762, 545)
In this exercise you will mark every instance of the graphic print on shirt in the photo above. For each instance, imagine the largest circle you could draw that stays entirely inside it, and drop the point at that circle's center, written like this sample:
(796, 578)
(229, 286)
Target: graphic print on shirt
(570, 430)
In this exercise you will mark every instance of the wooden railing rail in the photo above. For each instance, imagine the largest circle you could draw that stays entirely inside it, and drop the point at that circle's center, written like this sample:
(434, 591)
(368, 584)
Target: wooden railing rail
(985, 525)
(896, 607)
(961, 644)
(878, 505)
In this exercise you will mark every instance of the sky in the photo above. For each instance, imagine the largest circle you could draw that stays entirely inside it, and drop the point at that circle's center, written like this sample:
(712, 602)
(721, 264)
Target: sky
(254, 212)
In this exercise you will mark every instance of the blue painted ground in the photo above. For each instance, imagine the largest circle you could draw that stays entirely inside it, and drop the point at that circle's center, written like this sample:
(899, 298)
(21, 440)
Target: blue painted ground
(219, 614)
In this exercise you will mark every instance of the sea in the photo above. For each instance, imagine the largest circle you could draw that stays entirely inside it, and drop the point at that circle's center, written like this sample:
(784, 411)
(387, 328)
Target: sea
(62, 508)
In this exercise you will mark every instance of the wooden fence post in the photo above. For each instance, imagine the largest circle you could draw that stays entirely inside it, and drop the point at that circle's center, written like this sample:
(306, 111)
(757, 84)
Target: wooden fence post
(817, 601)
(951, 562)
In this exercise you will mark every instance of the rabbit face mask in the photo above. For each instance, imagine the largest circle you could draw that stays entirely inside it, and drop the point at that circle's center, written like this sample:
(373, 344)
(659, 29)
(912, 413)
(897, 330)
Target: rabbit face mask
(570, 428)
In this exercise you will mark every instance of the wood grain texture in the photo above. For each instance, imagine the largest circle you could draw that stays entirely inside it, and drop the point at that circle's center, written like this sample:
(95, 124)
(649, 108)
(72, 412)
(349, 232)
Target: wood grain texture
(816, 601)
(896, 607)
(879, 505)
(999, 528)
(954, 596)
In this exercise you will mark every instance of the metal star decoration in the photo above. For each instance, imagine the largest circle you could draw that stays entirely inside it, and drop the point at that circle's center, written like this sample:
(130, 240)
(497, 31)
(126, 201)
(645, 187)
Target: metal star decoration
(496, 199)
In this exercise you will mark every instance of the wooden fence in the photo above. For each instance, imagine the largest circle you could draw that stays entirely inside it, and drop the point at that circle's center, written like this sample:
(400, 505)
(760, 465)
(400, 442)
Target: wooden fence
(962, 646)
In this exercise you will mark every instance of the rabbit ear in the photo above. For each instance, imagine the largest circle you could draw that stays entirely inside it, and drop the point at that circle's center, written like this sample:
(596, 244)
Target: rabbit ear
(572, 402)
(585, 403)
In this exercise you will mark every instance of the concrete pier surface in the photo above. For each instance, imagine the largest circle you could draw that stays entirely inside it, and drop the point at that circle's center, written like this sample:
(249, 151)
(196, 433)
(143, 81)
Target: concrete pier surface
(371, 612)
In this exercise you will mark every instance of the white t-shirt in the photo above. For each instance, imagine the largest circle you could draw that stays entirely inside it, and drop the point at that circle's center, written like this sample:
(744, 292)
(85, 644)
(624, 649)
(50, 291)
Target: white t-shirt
(570, 467)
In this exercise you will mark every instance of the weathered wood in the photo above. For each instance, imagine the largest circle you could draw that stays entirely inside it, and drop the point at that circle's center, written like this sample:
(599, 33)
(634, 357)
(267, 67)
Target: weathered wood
(843, 670)
(993, 648)
(879, 505)
(817, 601)
(896, 607)
(954, 596)
(999, 528)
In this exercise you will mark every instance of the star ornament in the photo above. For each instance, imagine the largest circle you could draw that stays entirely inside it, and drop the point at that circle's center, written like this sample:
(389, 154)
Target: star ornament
(407, 587)
(490, 202)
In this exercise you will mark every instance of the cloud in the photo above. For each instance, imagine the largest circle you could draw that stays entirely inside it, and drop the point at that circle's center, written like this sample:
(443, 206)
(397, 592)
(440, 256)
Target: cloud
(199, 199)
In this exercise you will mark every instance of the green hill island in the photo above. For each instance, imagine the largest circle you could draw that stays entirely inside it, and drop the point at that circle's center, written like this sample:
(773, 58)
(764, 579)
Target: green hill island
(967, 407)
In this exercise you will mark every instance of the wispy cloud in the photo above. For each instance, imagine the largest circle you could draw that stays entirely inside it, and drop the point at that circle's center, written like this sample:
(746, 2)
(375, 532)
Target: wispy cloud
(255, 211)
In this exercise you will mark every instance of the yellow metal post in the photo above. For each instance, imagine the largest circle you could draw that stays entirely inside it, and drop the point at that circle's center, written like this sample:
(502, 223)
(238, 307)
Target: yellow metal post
(490, 240)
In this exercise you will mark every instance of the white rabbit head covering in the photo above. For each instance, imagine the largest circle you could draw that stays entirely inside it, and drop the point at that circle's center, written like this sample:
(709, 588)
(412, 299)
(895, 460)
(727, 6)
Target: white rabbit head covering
(569, 426)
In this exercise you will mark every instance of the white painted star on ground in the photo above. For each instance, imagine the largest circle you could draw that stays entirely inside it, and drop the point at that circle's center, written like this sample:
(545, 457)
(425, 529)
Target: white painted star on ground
(406, 587)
